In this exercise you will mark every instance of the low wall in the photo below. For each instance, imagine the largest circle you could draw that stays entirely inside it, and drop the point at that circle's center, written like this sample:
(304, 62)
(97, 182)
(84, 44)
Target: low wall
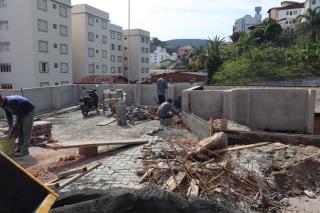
(260, 109)
(58, 97)
(197, 126)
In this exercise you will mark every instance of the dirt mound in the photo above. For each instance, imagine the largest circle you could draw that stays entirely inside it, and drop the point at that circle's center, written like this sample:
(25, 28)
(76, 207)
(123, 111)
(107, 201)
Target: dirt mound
(298, 177)
(131, 201)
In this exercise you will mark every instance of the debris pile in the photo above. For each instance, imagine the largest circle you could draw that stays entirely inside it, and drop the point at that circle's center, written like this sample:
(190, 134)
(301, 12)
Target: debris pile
(240, 177)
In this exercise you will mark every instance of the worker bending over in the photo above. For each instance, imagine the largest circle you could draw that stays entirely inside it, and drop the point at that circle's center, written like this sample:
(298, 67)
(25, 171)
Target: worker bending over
(166, 110)
(23, 109)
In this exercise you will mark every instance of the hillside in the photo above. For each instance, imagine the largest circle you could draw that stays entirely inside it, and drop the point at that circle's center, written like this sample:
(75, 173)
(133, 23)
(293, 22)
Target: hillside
(185, 42)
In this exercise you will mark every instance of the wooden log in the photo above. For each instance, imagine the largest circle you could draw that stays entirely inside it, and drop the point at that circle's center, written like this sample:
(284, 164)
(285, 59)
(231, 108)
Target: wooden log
(53, 186)
(107, 122)
(147, 174)
(88, 151)
(78, 144)
(174, 182)
(76, 177)
(71, 172)
(250, 146)
(193, 188)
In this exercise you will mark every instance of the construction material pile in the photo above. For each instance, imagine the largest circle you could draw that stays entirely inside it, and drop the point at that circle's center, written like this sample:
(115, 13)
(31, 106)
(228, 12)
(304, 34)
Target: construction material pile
(41, 132)
(240, 177)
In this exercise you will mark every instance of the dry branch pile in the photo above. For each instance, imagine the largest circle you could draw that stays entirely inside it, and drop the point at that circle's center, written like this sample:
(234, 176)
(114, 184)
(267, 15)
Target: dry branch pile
(220, 176)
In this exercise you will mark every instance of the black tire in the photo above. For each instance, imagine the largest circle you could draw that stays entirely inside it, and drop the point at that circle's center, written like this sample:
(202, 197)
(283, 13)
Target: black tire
(84, 111)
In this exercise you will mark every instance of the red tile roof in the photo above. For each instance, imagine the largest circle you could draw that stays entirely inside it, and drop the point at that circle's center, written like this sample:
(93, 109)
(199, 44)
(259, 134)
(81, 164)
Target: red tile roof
(181, 77)
(102, 79)
(291, 6)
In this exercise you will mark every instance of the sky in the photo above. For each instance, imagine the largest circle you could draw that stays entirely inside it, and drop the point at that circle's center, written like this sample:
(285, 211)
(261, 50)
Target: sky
(181, 19)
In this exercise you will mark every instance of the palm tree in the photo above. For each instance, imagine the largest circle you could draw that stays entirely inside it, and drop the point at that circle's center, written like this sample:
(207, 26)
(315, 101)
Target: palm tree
(215, 54)
(245, 43)
(310, 24)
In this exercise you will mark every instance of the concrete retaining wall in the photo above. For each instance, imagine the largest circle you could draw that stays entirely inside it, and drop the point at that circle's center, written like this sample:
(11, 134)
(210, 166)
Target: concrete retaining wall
(197, 126)
(260, 109)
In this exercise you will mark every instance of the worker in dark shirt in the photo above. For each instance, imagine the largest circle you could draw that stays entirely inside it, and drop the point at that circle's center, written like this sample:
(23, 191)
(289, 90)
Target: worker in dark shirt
(166, 110)
(162, 86)
(23, 109)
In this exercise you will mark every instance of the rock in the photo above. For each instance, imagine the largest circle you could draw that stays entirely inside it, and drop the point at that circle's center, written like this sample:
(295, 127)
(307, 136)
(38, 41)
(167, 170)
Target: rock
(285, 202)
(310, 194)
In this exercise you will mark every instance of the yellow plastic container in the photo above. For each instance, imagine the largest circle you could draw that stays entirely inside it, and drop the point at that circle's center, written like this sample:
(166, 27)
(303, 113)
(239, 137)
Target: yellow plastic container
(7, 145)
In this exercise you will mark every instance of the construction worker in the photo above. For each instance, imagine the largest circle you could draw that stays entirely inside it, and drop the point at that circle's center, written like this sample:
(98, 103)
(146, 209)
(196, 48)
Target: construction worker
(23, 109)
(162, 85)
(166, 110)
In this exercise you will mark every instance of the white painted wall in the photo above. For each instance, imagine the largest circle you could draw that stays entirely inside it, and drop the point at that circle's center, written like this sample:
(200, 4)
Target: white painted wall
(160, 54)
(23, 35)
(117, 41)
(290, 17)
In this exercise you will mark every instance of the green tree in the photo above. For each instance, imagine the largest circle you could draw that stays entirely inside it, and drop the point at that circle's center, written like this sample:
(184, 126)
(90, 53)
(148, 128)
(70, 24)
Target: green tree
(245, 43)
(215, 55)
(310, 24)
(272, 30)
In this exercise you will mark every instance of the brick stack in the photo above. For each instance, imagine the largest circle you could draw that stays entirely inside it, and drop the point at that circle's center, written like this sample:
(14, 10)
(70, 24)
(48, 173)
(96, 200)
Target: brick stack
(41, 132)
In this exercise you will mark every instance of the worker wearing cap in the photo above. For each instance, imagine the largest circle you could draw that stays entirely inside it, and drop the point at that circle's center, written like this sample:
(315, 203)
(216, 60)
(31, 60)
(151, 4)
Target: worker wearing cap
(23, 109)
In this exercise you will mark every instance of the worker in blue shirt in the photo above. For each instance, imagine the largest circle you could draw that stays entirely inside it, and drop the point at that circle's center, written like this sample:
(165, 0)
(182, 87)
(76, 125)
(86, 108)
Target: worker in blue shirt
(23, 110)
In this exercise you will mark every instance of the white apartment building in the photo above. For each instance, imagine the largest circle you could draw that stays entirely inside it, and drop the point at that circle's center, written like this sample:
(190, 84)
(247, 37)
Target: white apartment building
(90, 41)
(35, 43)
(116, 52)
(287, 14)
(136, 54)
(160, 54)
(243, 24)
(311, 4)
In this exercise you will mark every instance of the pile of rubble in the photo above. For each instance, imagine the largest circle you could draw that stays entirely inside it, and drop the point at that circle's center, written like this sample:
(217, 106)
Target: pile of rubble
(41, 132)
(250, 177)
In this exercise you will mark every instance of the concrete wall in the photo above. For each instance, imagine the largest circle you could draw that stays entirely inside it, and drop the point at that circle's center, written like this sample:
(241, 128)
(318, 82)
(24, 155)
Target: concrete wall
(197, 125)
(260, 109)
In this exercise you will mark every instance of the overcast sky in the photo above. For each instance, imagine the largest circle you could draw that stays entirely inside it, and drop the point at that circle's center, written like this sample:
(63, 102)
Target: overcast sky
(172, 19)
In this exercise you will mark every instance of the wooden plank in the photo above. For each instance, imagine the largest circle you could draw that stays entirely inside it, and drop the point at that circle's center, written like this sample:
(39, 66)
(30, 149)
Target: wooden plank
(106, 122)
(76, 177)
(71, 145)
(53, 186)
(46, 204)
(236, 148)
(174, 182)
(72, 172)
(147, 174)
(193, 188)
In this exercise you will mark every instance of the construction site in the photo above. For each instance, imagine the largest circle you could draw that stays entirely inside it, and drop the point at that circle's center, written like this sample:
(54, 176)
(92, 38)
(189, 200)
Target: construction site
(231, 149)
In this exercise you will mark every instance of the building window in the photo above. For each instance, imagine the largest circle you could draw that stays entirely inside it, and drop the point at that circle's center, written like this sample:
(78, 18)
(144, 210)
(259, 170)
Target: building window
(142, 49)
(104, 68)
(91, 52)
(147, 70)
(142, 79)
(119, 69)
(314, 1)
(91, 68)
(5, 67)
(119, 59)
(290, 13)
(97, 21)
(147, 50)
(97, 51)
(295, 12)
(142, 70)
(90, 20)
(125, 58)
(43, 46)
(104, 39)
(147, 40)
(63, 49)
(125, 48)
(63, 30)
(44, 84)
(42, 25)
(90, 36)
(43, 67)
(64, 82)
(113, 35)
(54, 6)
(113, 69)
(119, 47)
(97, 36)
(3, 3)
(97, 66)
(113, 58)
(104, 24)
(42, 5)
(54, 26)
(64, 67)
(119, 37)
(6, 86)
(55, 46)
(126, 68)
(142, 60)
(4, 46)
(147, 60)
(4, 26)
(142, 39)
(113, 47)
(55, 65)
(104, 54)
(56, 83)
(63, 11)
